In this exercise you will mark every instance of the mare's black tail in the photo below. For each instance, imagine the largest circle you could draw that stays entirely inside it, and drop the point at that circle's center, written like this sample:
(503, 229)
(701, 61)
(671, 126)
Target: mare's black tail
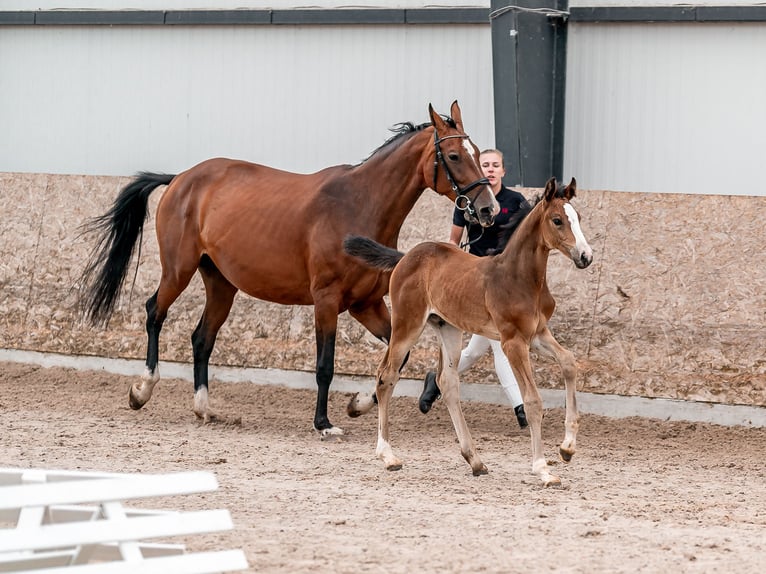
(120, 229)
(371, 252)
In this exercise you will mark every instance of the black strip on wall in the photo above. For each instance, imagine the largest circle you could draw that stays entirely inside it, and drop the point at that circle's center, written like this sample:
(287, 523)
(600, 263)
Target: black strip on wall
(245, 17)
(668, 14)
(217, 17)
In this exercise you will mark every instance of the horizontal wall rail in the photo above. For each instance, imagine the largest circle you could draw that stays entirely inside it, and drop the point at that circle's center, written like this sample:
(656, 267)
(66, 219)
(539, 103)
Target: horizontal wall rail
(421, 16)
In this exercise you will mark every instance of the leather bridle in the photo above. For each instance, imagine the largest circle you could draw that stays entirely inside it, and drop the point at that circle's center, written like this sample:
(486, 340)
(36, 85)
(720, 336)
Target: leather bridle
(462, 201)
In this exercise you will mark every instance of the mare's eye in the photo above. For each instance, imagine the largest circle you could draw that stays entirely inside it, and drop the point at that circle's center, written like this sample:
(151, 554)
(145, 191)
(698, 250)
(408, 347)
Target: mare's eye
(453, 156)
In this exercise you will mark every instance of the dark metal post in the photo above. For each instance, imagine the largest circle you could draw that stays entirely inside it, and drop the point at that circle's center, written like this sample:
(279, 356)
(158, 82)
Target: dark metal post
(529, 71)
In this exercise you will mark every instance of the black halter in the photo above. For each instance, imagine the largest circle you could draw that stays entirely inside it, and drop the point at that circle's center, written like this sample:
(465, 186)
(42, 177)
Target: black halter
(462, 201)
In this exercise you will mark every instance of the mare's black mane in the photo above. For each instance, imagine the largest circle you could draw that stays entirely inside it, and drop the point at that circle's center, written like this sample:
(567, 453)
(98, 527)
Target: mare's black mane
(403, 130)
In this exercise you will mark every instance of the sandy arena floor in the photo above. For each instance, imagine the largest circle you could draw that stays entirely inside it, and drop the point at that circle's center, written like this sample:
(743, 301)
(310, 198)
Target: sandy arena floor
(641, 495)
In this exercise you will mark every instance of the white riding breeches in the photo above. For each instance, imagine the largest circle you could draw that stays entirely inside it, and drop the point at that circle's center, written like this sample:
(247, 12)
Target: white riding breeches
(476, 349)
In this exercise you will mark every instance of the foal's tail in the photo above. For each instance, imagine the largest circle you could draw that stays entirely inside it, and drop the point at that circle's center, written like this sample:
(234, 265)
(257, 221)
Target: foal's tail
(120, 229)
(371, 252)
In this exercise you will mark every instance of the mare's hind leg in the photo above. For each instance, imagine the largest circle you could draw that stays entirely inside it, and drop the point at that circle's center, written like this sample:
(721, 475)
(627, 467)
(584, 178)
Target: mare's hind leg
(171, 286)
(451, 339)
(546, 344)
(219, 297)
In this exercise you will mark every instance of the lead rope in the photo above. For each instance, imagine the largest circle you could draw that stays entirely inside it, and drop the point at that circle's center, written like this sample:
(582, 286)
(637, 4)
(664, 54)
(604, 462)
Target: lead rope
(465, 244)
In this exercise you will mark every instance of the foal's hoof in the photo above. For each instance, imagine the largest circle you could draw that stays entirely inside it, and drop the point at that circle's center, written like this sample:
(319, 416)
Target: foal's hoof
(360, 405)
(394, 466)
(481, 470)
(552, 482)
(566, 453)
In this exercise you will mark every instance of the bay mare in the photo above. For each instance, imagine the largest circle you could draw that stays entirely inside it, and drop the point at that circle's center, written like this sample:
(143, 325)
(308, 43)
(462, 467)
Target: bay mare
(503, 297)
(278, 236)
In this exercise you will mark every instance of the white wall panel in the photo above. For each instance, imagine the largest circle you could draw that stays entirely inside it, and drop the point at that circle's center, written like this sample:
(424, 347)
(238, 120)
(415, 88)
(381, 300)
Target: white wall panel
(115, 100)
(666, 107)
(229, 4)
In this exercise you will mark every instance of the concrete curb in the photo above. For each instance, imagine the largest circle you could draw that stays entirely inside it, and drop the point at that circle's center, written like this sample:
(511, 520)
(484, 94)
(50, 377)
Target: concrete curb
(615, 406)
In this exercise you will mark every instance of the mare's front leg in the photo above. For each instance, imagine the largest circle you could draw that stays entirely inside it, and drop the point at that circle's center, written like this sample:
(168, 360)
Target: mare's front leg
(517, 351)
(451, 340)
(545, 344)
(326, 326)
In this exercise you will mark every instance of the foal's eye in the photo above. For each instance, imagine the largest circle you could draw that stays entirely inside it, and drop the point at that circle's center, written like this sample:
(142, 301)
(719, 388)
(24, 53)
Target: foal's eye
(557, 221)
(453, 156)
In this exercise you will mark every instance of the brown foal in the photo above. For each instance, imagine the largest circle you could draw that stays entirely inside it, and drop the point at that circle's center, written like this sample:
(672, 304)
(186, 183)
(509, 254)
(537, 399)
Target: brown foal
(503, 297)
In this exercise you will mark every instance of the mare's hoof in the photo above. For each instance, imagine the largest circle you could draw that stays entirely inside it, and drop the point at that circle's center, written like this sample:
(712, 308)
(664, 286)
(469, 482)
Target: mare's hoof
(330, 432)
(207, 417)
(133, 400)
(430, 392)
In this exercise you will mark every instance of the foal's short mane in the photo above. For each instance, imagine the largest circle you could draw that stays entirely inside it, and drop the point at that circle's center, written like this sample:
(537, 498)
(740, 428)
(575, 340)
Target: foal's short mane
(515, 221)
(402, 132)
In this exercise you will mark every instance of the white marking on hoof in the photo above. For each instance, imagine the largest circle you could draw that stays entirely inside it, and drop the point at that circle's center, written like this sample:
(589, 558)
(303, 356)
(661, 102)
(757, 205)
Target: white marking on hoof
(331, 432)
(150, 376)
(141, 392)
(540, 468)
(202, 405)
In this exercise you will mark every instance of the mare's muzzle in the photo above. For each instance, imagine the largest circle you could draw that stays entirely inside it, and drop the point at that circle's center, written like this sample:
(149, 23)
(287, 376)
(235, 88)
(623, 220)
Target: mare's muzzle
(483, 215)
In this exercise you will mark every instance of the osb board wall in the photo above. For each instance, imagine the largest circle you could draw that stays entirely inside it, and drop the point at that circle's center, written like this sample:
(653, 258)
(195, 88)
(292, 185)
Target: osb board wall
(673, 306)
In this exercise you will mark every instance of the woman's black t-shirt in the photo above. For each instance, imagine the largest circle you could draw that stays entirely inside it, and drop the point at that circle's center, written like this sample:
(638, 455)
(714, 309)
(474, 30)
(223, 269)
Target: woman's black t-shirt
(487, 238)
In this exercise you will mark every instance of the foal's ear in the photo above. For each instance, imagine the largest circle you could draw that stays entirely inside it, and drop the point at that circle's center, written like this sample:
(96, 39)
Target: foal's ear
(456, 115)
(570, 189)
(550, 189)
(436, 120)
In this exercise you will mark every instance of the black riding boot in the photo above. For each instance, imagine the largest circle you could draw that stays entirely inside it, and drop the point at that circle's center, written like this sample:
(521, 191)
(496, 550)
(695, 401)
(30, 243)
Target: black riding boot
(521, 416)
(430, 392)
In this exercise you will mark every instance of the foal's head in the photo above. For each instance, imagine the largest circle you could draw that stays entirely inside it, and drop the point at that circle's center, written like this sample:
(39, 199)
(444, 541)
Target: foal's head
(560, 223)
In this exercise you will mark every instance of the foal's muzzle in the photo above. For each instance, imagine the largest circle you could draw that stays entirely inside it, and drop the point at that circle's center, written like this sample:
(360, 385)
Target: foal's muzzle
(582, 259)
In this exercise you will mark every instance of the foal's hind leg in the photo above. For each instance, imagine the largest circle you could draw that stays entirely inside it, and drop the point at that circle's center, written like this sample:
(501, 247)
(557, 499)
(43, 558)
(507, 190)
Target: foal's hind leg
(219, 297)
(546, 344)
(377, 320)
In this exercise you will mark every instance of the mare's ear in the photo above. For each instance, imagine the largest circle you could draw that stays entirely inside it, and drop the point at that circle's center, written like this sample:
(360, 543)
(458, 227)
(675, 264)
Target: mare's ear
(456, 115)
(436, 120)
(550, 189)
(570, 189)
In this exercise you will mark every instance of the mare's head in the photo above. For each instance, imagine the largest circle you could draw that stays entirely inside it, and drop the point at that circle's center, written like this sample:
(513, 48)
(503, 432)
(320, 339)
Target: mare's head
(560, 223)
(454, 163)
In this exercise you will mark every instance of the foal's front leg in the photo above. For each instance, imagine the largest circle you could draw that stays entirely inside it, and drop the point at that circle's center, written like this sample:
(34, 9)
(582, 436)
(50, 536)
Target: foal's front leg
(518, 356)
(546, 344)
